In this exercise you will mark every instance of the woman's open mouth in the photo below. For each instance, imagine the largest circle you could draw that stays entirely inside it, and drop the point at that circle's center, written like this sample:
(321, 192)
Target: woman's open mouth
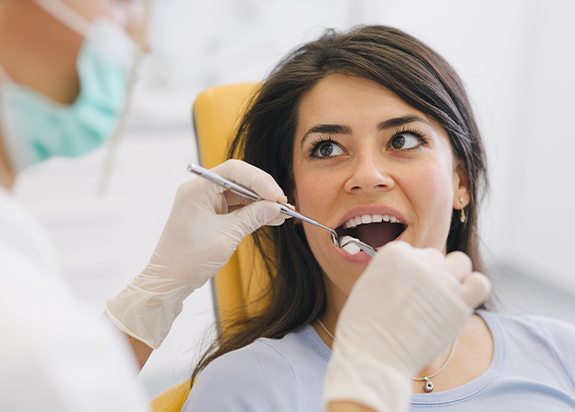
(375, 230)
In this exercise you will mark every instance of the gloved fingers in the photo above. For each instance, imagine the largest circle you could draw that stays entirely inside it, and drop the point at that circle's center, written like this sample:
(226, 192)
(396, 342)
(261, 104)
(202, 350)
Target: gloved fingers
(459, 264)
(253, 178)
(251, 217)
(431, 255)
(397, 250)
(243, 202)
(234, 201)
(475, 289)
(278, 221)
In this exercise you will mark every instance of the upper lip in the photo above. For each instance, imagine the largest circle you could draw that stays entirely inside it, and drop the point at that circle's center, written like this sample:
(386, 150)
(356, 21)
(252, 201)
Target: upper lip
(371, 210)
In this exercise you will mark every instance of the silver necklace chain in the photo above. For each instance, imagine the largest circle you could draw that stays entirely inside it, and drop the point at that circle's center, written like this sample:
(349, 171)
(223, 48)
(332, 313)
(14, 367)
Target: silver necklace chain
(428, 386)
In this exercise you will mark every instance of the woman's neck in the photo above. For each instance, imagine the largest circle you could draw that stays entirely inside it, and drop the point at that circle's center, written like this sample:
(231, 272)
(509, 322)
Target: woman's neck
(471, 356)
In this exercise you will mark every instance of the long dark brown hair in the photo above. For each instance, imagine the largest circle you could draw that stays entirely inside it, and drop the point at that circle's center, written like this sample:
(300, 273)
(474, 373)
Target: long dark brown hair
(296, 294)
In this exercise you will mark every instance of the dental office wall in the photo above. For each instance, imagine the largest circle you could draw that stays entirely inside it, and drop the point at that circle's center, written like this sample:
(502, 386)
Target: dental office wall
(106, 211)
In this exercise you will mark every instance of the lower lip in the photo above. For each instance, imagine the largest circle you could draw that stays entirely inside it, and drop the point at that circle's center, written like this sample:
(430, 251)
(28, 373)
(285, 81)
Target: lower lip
(360, 258)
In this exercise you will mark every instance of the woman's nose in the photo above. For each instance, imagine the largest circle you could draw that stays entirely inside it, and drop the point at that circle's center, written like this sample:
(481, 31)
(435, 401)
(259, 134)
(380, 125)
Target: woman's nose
(369, 173)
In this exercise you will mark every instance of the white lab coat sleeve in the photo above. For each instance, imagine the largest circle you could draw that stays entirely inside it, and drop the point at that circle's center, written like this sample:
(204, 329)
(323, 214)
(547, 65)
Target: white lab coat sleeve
(54, 356)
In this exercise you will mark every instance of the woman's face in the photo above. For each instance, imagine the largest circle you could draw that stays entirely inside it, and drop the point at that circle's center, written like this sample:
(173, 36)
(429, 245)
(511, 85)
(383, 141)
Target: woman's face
(374, 167)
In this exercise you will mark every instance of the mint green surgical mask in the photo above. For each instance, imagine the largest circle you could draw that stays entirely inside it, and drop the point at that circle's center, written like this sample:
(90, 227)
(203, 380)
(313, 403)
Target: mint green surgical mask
(35, 128)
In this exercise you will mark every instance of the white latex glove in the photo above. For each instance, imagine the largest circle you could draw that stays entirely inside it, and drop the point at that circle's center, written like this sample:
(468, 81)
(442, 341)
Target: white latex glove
(204, 228)
(406, 308)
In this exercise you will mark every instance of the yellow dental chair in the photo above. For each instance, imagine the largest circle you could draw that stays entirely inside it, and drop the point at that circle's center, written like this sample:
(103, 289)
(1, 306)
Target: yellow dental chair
(216, 115)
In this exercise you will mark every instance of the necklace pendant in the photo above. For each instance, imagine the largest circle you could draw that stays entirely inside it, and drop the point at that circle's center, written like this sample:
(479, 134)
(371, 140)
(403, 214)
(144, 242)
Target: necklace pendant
(428, 387)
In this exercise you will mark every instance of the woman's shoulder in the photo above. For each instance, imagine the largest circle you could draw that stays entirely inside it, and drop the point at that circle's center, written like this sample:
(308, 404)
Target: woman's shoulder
(532, 351)
(264, 375)
(288, 354)
(537, 324)
(559, 335)
(525, 330)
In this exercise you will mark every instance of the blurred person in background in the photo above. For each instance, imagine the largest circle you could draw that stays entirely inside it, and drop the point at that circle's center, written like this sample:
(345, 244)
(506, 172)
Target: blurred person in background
(66, 68)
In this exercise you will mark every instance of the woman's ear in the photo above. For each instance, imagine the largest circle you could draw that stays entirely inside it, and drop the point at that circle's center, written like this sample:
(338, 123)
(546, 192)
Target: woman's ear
(461, 196)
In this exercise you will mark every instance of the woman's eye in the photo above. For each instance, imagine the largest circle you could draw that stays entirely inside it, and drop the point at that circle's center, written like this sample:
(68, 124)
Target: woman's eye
(405, 141)
(327, 149)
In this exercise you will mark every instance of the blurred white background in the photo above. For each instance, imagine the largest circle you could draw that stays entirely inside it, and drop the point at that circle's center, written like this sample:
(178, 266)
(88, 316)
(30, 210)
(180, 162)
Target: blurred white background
(516, 58)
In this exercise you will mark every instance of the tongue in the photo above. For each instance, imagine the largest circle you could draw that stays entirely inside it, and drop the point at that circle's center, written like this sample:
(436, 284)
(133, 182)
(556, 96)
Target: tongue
(377, 234)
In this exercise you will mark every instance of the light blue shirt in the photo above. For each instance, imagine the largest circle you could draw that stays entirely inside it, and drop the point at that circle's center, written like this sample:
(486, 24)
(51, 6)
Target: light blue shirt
(533, 369)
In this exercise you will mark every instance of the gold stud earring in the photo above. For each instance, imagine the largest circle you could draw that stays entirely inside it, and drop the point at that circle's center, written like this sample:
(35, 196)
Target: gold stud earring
(462, 216)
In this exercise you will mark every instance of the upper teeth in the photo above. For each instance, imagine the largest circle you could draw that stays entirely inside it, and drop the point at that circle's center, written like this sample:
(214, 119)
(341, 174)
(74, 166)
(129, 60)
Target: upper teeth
(358, 220)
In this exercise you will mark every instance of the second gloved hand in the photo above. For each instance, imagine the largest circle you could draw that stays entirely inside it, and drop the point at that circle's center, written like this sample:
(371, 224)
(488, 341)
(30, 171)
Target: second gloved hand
(407, 307)
(204, 228)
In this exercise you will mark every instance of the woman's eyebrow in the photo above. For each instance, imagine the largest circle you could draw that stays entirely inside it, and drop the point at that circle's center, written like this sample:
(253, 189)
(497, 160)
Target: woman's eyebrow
(327, 129)
(400, 121)
(383, 125)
